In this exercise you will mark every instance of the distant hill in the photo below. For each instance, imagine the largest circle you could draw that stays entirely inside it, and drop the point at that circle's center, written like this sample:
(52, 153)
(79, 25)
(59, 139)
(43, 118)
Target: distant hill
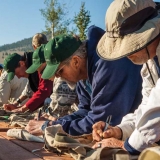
(19, 47)
(23, 45)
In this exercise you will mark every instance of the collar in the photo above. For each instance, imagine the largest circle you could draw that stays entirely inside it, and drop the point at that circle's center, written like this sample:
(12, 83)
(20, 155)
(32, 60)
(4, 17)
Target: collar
(158, 53)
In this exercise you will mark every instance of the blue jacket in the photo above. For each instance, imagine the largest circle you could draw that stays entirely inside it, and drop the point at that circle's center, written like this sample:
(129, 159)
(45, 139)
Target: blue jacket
(112, 88)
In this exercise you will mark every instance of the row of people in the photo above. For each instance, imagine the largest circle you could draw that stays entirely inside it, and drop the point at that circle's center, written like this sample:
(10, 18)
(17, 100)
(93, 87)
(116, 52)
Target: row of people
(106, 87)
(100, 92)
(103, 87)
(22, 85)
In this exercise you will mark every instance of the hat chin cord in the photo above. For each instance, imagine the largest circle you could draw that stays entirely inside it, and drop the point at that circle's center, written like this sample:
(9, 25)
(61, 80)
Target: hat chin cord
(148, 66)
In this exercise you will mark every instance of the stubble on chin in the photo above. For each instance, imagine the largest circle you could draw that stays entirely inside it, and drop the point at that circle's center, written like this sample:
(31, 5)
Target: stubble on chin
(138, 61)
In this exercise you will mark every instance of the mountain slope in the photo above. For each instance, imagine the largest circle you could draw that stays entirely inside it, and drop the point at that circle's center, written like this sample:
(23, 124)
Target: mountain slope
(19, 47)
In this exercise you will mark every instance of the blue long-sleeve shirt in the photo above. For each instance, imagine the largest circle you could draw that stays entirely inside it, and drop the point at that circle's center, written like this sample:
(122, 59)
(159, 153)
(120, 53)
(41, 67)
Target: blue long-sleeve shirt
(112, 88)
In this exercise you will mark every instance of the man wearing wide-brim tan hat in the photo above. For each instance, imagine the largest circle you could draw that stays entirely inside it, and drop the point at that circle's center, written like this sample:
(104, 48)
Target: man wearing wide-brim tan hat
(133, 30)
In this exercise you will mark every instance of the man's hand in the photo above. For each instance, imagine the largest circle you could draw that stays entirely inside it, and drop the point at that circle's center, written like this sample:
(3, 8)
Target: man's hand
(44, 117)
(20, 109)
(9, 107)
(49, 117)
(40, 119)
(110, 142)
(34, 127)
(98, 133)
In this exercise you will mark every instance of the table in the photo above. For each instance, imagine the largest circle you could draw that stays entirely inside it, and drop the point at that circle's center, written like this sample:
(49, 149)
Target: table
(14, 149)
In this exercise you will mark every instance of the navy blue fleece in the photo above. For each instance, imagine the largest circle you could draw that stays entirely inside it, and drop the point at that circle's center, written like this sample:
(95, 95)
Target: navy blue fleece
(116, 90)
(130, 149)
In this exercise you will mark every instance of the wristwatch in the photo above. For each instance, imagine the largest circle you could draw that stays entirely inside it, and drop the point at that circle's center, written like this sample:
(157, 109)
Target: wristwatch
(44, 125)
(19, 101)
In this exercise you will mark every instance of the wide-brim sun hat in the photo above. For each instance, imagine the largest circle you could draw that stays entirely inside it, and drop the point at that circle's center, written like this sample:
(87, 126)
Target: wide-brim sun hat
(131, 25)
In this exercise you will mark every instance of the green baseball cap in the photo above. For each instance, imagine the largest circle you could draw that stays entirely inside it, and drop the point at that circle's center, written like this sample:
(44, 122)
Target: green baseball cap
(57, 50)
(37, 59)
(10, 64)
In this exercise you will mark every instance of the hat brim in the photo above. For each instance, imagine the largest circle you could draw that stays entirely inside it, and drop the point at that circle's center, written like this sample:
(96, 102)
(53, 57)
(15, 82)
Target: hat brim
(49, 71)
(33, 68)
(10, 76)
(116, 48)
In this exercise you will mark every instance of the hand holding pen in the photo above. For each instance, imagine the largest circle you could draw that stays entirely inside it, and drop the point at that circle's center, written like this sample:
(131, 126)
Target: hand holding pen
(44, 108)
(103, 130)
(108, 120)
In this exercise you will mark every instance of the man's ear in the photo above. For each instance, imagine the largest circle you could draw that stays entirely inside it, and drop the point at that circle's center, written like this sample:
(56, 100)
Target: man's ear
(76, 61)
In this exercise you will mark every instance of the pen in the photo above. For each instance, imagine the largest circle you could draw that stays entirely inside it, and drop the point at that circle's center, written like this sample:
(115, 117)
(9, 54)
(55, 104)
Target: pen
(108, 120)
(43, 109)
(39, 114)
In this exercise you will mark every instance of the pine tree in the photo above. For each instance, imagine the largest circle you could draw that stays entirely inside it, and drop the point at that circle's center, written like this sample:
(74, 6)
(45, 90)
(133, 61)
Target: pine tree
(54, 15)
(82, 20)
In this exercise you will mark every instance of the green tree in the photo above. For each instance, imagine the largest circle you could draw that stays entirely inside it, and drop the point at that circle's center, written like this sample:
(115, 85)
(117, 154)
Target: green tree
(82, 20)
(55, 17)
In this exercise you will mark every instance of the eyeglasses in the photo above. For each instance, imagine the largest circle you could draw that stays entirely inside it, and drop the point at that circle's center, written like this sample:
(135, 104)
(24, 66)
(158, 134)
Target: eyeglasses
(59, 71)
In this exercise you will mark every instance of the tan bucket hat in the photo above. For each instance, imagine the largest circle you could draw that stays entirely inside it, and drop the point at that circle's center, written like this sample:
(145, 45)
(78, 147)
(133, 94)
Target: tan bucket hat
(130, 26)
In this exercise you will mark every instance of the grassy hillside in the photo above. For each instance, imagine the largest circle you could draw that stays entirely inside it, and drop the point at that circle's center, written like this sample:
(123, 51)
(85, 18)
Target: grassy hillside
(18, 47)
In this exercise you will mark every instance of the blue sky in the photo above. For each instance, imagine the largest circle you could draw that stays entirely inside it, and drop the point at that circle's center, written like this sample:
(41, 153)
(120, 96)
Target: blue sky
(21, 19)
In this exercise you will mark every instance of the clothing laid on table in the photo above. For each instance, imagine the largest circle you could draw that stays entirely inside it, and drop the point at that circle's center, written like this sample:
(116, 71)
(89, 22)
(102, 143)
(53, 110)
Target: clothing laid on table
(79, 147)
(112, 88)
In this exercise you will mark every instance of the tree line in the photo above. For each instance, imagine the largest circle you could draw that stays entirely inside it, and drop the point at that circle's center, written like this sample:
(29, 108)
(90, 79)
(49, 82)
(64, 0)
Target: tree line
(56, 22)
(55, 15)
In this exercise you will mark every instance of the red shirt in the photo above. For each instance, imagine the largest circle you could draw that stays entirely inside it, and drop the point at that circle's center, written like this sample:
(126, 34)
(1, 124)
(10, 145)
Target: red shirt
(44, 90)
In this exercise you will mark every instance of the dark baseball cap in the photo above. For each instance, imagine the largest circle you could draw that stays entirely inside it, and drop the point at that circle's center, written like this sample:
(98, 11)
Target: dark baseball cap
(37, 59)
(57, 50)
(10, 64)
